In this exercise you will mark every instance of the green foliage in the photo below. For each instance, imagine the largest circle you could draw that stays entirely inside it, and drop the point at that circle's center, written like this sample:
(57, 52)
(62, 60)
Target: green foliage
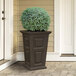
(35, 19)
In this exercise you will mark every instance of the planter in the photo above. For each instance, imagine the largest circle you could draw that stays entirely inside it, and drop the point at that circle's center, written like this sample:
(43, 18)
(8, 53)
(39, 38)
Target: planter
(35, 49)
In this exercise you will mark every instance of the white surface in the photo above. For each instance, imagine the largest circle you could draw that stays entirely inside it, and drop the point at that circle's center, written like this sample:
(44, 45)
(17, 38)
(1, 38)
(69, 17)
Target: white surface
(51, 56)
(8, 29)
(75, 27)
(56, 25)
(66, 26)
(56, 57)
(1, 30)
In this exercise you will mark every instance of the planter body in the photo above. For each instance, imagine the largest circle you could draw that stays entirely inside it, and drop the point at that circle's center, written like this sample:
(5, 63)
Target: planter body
(35, 49)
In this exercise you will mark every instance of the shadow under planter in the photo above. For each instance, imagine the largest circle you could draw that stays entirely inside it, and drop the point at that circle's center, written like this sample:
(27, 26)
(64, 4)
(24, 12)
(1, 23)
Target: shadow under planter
(35, 49)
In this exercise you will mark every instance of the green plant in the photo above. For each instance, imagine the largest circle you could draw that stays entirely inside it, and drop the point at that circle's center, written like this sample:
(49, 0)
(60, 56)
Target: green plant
(35, 19)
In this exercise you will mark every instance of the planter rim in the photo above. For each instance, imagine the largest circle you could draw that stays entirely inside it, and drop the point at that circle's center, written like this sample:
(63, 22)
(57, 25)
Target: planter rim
(29, 32)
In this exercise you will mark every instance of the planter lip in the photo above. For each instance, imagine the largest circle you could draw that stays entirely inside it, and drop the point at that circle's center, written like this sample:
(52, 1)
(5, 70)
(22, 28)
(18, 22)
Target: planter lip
(28, 32)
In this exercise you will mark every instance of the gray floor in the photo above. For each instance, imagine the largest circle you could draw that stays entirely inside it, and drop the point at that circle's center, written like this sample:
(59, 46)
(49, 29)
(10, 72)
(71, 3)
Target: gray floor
(53, 69)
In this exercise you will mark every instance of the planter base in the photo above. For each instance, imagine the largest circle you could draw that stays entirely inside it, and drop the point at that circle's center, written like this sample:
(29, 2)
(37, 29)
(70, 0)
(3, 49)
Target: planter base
(35, 68)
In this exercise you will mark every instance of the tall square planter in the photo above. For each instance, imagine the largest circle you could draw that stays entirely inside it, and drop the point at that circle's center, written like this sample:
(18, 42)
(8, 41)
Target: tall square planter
(35, 49)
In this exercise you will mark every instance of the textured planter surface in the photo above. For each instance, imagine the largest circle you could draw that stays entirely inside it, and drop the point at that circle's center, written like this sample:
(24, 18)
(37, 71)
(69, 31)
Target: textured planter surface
(35, 49)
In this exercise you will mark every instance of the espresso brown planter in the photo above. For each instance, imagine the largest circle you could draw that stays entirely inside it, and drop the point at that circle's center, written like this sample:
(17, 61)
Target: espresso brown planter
(35, 49)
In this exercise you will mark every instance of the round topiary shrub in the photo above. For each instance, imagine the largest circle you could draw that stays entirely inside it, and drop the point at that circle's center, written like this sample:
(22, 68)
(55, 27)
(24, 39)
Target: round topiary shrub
(35, 19)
